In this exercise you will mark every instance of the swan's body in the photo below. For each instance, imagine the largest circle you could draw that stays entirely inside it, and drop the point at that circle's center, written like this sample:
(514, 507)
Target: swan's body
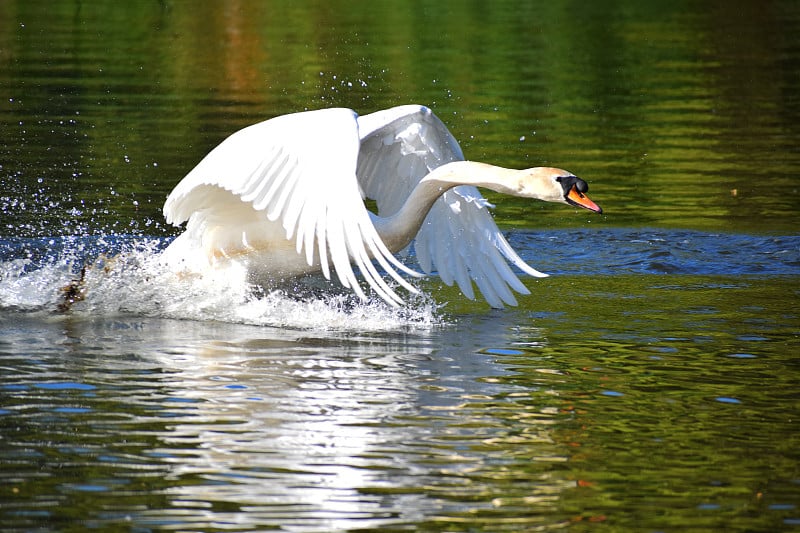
(285, 197)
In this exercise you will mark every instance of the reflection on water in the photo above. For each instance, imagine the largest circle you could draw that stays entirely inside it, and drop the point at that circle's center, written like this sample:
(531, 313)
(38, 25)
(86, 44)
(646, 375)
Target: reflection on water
(520, 418)
(508, 420)
(650, 384)
(264, 425)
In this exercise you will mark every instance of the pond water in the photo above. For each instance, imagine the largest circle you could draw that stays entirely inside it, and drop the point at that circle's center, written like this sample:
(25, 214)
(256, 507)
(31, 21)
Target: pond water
(650, 384)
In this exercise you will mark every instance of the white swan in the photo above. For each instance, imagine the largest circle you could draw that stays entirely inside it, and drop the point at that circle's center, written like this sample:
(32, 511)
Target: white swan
(285, 197)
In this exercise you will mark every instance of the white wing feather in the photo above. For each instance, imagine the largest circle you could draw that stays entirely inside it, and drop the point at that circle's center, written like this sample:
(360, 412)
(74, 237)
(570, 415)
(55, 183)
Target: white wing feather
(297, 171)
(292, 180)
(459, 238)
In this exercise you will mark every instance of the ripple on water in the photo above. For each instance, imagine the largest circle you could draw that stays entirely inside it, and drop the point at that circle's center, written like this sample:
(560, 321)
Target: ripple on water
(615, 251)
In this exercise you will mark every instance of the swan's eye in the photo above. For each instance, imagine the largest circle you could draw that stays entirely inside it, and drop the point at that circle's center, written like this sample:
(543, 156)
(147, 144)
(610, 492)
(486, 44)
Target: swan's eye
(568, 182)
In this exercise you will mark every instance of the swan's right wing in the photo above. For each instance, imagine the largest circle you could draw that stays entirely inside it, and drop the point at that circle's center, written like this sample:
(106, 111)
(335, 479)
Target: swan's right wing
(459, 238)
(288, 183)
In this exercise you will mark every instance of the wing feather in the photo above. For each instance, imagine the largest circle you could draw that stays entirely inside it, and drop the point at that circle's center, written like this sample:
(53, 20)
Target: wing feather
(299, 172)
(294, 177)
(459, 238)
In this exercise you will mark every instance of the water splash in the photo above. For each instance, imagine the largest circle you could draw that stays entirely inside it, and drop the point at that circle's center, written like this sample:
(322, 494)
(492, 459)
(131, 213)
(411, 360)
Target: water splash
(125, 276)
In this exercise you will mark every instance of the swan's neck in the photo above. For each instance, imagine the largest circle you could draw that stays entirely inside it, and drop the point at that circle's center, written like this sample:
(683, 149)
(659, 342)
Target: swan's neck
(399, 229)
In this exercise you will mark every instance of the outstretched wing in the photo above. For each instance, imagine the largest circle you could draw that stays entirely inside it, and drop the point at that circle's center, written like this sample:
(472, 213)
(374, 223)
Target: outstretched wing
(291, 178)
(458, 238)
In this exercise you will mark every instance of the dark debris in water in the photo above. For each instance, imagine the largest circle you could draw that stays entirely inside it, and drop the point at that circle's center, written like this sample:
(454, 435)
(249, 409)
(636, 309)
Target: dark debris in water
(74, 291)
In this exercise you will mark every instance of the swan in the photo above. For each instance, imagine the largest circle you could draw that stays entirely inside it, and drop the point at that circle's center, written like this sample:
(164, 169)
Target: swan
(285, 197)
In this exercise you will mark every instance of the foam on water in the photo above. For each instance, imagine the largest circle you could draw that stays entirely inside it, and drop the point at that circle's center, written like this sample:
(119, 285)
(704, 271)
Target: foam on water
(131, 280)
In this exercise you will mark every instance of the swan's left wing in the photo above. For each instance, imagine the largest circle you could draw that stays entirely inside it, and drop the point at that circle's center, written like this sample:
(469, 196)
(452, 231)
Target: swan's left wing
(459, 238)
(298, 171)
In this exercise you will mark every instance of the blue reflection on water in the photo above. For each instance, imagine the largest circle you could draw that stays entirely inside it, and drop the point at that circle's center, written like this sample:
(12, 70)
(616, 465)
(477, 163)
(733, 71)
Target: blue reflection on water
(725, 399)
(615, 251)
(65, 386)
(609, 251)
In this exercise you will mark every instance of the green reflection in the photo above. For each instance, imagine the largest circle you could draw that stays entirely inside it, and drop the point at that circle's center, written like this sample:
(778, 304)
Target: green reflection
(661, 107)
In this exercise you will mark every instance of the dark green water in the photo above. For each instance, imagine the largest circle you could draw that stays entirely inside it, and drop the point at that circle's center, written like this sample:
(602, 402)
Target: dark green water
(650, 384)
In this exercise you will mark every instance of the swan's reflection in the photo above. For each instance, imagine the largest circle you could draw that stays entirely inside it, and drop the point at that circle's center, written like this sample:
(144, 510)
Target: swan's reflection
(291, 421)
(329, 428)
(219, 423)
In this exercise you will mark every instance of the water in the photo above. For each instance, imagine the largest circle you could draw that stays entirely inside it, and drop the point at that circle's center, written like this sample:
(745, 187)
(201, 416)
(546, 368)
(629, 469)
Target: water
(649, 384)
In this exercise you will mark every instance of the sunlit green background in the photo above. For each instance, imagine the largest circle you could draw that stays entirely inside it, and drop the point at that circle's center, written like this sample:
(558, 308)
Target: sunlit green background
(677, 113)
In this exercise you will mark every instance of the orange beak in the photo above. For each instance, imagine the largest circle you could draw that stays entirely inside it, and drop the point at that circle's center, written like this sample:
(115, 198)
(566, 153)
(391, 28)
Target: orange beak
(575, 197)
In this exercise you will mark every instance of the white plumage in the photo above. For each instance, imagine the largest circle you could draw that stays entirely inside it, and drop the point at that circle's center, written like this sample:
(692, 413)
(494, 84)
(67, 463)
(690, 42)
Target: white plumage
(285, 197)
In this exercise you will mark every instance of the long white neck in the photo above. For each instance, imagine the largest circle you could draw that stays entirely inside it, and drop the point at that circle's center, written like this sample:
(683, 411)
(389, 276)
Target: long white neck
(399, 229)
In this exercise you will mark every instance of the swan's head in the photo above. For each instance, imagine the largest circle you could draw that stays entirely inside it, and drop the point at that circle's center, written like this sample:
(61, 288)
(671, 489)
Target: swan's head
(557, 185)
